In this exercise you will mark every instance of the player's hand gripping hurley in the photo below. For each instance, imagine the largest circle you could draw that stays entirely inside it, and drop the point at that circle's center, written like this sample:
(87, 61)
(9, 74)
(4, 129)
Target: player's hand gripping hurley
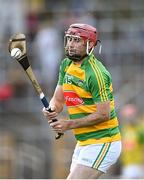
(19, 41)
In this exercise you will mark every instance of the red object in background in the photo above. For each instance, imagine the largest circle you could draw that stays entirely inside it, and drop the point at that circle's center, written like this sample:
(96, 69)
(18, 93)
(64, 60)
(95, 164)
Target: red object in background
(6, 92)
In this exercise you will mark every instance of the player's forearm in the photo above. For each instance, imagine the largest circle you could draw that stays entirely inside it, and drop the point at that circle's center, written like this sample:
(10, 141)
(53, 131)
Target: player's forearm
(57, 104)
(58, 99)
(92, 119)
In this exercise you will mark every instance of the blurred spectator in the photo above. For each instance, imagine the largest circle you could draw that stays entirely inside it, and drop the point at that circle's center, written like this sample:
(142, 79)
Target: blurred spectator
(6, 93)
(133, 144)
(11, 17)
(32, 24)
(19, 81)
(48, 48)
(86, 18)
(76, 17)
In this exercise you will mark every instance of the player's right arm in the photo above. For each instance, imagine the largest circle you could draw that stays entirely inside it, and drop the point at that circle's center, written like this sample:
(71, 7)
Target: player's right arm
(57, 100)
(56, 104)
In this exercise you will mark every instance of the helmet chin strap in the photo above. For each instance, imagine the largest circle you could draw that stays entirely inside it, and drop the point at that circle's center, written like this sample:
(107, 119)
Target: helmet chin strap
(87, 49)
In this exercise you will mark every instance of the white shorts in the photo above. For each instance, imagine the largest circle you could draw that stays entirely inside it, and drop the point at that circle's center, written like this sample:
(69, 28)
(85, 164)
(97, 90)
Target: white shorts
(97, 156)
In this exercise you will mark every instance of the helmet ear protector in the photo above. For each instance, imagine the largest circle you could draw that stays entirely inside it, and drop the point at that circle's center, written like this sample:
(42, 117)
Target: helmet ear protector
(86, 32)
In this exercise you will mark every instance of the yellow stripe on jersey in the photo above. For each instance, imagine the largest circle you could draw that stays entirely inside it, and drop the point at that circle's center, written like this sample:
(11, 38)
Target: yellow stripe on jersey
(86, 108)
(75, 71)
(116, 137)
(112, 105)
(112, 109)
(111, 88)
(79, 91)
(82, 109)
(101, 83)
(105, 125)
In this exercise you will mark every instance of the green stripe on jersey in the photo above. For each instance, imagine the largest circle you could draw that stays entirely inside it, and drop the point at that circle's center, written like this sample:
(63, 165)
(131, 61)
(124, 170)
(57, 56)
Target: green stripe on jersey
(98, 134)
(112, 114)
(100, 80)
(88, 101)
(80, 115)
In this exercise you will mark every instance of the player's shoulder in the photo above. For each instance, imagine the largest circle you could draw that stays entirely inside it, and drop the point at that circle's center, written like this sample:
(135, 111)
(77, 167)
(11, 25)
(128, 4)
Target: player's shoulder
(66, 61)
(97, 67)
(94, 64)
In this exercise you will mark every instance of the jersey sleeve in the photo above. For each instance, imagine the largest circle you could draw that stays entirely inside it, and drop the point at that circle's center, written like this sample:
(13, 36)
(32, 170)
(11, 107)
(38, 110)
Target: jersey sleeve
(99, 85)
(61, 73)
(62, 70)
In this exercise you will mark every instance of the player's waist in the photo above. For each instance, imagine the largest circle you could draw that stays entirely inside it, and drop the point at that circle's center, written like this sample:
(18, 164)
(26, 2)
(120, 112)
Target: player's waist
(116, 137)
(93, 132)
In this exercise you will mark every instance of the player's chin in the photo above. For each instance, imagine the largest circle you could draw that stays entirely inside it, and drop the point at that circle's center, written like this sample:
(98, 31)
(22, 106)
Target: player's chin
(74, 57)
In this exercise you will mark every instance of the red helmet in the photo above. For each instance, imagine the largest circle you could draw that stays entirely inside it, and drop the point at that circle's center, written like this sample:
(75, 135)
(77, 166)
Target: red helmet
(85, 31)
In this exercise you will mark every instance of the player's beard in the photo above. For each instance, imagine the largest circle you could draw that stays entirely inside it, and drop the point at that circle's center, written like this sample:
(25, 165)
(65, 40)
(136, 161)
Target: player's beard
(73, 55)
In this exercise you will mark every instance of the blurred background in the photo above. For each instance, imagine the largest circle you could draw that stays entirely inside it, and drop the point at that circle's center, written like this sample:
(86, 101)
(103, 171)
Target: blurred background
(28, 148)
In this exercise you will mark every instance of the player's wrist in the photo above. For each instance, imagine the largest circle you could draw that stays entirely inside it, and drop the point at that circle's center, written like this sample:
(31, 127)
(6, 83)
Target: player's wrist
(71, 124)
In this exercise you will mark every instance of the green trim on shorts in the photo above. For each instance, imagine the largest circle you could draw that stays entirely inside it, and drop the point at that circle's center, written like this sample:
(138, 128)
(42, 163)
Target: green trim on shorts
(98, 154)
(104, 155)
(103, 152)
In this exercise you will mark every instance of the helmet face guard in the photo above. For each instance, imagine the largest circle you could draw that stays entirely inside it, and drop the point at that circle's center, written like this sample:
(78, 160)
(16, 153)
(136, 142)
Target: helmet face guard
(85, 32)
(72, 54)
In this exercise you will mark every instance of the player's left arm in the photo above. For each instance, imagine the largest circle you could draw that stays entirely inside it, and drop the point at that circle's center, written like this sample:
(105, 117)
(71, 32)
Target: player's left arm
(101, 115)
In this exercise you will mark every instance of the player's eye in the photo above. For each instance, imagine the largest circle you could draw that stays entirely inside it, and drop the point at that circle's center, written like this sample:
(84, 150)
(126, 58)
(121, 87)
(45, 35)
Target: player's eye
(69, 38)
(73, 38)
(76, 39)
